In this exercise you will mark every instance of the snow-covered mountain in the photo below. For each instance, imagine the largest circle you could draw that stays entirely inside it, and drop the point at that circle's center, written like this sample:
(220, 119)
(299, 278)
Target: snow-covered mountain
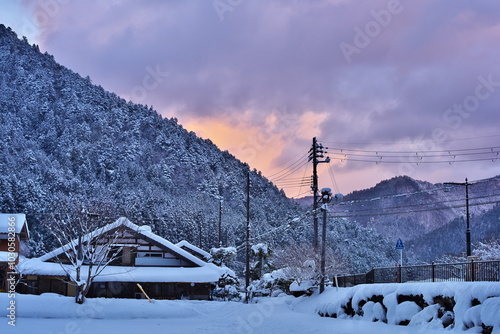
(63, 138)
(67, 142)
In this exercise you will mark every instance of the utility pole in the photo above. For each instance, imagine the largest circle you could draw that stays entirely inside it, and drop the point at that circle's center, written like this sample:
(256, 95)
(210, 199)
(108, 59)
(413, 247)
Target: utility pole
(315, 153)
(326, 196)
(220, 222)
(247, 264)
(467, 230)
(200, 231)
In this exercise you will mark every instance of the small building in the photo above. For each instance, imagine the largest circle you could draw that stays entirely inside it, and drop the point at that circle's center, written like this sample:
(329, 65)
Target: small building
(163, 269)
(13, 235)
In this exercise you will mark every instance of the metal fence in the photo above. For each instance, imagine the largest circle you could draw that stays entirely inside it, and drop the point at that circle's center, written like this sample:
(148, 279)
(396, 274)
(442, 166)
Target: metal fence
(473, 271)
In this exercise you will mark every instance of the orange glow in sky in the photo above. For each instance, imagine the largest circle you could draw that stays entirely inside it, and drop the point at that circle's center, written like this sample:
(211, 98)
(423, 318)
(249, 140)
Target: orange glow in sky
(260, 145)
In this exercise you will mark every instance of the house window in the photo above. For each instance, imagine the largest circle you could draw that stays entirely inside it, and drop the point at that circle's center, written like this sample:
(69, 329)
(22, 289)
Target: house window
(127, 256)
(154, 255)
(150, 254)
(119, 255)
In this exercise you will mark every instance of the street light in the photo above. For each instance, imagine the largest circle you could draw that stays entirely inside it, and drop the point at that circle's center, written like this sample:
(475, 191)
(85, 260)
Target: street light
(467, 231)
(326, 196)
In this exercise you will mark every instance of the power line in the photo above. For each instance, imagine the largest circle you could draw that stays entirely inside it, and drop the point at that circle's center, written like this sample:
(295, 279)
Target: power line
(410, 211)
(418, 157)
(300, 189)
(414, 192)
(302, 193)
(413, 142)
(421, 204)
(290, 171)
(286, 170)
(332, 178)
(289, 184)
(491, 148)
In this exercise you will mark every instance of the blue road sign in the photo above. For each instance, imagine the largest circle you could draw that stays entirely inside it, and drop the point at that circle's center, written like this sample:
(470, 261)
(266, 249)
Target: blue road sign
(399, 244)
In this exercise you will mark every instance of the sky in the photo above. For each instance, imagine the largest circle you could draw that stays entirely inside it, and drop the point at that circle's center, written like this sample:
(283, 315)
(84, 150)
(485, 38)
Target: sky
(370, 80)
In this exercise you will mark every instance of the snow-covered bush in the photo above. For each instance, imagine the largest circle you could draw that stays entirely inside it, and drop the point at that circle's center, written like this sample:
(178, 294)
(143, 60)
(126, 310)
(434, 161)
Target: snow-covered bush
(272, 283)
(299, 262)
(222, 256)
(464, 306)
(488, 251)
(262, 264)
(227, 288)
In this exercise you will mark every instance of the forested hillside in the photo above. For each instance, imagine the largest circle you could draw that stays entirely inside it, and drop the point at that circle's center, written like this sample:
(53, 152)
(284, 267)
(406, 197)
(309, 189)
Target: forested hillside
(62, 136)
(67, 144)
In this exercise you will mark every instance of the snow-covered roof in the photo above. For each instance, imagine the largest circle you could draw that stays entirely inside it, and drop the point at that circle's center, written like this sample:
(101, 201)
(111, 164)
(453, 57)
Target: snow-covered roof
(4, 256)
(208, 273)
(203, 272)
(193, 248)
(139, 230)
(17, 219)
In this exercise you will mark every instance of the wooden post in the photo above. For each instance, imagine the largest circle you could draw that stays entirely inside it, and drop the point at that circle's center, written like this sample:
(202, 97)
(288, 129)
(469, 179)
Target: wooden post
(144, 292)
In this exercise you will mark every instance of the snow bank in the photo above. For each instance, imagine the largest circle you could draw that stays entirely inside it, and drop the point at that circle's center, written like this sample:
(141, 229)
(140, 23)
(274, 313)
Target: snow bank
(458, 305)
(50, 305)
(491, 318)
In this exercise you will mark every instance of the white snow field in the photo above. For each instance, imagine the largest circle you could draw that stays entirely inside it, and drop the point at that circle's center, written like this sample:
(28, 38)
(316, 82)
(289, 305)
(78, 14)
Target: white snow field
(55, 314)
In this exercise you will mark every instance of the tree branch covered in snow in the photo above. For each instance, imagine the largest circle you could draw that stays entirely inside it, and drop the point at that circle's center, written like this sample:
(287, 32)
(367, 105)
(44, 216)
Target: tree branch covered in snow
(84, 249)
(488, 250)
(222, 256)
(301, 263)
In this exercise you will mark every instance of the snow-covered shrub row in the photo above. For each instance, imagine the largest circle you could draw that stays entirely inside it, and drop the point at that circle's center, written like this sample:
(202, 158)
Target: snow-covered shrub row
(457, 305)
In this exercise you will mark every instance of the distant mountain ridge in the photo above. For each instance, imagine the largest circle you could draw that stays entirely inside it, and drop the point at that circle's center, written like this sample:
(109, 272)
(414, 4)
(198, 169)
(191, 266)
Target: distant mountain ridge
(436, 224)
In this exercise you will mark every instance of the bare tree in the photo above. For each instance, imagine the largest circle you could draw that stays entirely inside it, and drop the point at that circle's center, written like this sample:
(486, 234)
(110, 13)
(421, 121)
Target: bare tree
(301, 263)
(87, 244)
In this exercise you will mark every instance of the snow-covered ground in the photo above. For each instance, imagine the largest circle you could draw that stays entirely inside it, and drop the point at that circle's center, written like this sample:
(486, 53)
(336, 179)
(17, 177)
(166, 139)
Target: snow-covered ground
(55, 314)
(49, 314)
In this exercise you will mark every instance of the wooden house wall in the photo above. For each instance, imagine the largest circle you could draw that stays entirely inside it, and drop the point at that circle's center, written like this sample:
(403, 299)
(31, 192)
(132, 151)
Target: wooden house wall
(3, 277)
(4, 243)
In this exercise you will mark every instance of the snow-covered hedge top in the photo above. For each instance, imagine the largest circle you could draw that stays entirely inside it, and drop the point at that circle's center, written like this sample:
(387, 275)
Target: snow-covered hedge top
(260, 248)
(333, 301)
(223, 250)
